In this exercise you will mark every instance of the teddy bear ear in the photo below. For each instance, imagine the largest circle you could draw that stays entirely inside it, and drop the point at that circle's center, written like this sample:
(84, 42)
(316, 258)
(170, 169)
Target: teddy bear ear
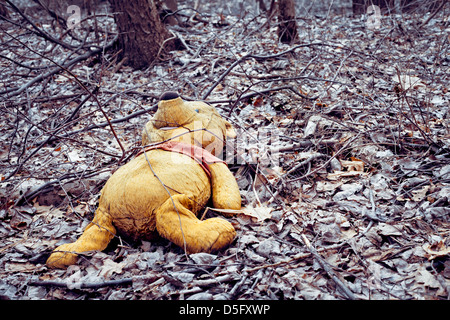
(169, 95)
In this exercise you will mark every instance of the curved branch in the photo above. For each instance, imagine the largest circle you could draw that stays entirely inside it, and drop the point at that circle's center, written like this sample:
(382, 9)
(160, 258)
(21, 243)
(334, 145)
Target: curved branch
(91, 95)
(41, 32)
(257, 57)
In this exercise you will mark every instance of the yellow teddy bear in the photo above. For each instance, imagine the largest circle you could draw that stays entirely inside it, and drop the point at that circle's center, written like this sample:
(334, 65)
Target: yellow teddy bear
(164, 187)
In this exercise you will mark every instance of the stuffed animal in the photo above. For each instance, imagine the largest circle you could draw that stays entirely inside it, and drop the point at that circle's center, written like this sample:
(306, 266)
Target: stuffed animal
(161, 191)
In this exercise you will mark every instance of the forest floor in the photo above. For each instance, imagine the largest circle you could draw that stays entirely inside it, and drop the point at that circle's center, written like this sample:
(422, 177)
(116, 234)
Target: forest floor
(342, 157)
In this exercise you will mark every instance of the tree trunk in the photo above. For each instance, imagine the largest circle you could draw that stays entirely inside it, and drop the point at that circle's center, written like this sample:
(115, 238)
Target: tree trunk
(287, 28)
(141, 32)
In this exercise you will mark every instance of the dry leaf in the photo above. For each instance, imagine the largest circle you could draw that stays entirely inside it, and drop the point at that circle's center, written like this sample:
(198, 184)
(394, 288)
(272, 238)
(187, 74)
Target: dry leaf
(436, 250)
(339, 174)
(260, 213)
(225, 212)
(419, 195)
(323, 186)
(387, 230)
(408, 82)
(42, 208)
(19, 220)
(21, 267)
(109, 267)
(357, 165)
(354, 168)
(258, 101)
(74, 156)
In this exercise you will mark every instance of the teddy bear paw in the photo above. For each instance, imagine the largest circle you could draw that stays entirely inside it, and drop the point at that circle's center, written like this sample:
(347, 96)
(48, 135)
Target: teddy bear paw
(62, 256)
(213, 235)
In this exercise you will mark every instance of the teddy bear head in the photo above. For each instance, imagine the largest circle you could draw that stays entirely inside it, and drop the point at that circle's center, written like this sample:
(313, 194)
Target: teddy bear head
(192, 122)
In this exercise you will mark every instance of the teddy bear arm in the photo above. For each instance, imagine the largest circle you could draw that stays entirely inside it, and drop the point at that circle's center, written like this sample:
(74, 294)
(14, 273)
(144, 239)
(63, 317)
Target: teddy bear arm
(177, 223)
(225, 190)
(96, 236)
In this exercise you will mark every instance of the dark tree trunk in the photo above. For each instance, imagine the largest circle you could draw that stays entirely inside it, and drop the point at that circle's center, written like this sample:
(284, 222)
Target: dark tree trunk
(287, 28)
(141, 32)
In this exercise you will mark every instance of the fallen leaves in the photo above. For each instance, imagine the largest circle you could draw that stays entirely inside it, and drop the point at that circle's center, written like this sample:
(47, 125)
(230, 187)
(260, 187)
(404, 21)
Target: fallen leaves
(261, 213)
(435, 250)
(353, 168)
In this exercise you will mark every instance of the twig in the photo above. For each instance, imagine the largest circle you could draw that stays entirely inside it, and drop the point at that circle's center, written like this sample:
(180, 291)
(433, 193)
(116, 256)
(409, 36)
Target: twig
(82, 285)
(42, 99)
(234, 291)
(83, 86)
(43, 187)
(52, 72)
(326, 162)
(349, 294)
(413, 120)
(58, 18)
(304, 162)
(434, 14)
(289, 261)
(41, 144)
(372, 215)
(302, 144)
(271, 90)
(104, 124)
(39, 31)
(253, 56)
(213, 281)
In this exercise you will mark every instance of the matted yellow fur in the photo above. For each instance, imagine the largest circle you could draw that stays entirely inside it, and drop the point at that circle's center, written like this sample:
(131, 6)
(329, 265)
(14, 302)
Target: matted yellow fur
(161, 192)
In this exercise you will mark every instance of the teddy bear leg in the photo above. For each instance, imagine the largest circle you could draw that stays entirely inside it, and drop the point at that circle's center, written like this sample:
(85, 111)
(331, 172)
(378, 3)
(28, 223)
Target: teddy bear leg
(176, 222)
(96, 236)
